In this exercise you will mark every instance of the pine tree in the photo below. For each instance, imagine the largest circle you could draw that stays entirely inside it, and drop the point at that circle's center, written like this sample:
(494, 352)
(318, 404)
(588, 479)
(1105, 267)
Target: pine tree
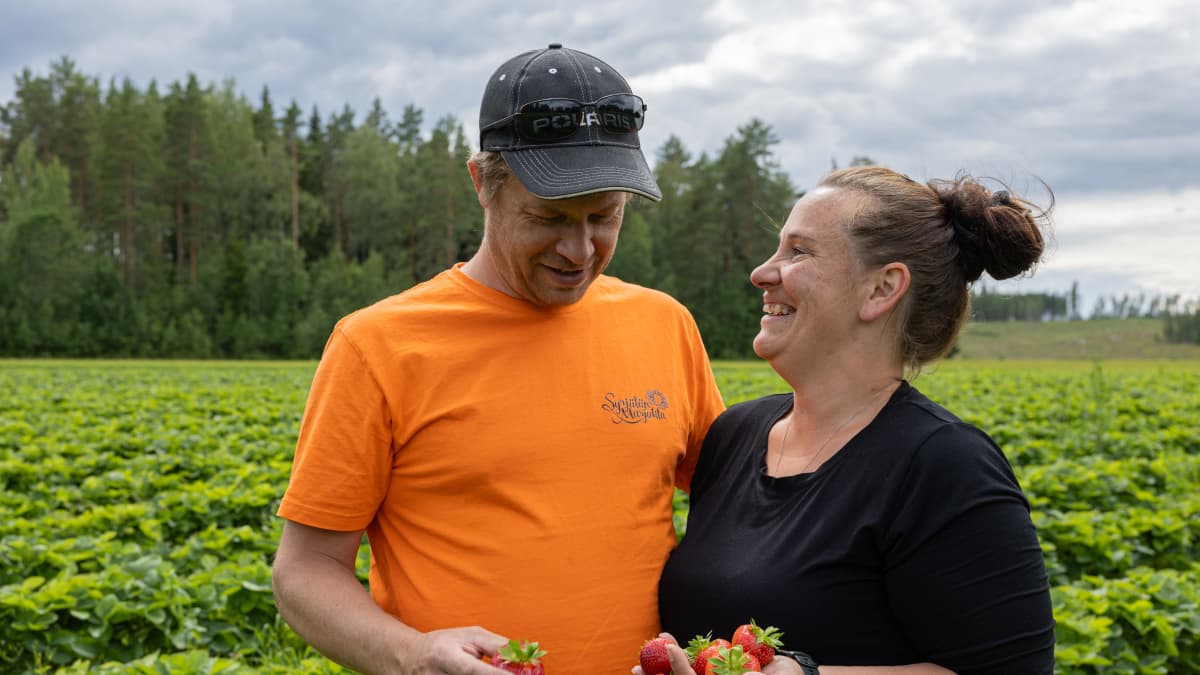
(78, 113)
(407, 131)
(633, 260)
(316, 227)
(669, 222)
(186, 167)
(265, 129)
(338, 131)
(313, 156)
(129, 170)
(291, 137)
(440, 201)
(370, 173)
(377, 119)
(33, 113)
(60, 112)
(245, 191)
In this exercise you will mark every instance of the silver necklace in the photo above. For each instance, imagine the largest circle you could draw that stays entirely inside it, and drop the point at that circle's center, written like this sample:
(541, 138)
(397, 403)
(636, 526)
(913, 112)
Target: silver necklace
(821, 448)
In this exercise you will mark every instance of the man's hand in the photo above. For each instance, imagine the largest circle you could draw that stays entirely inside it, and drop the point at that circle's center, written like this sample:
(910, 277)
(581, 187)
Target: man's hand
(452, 651)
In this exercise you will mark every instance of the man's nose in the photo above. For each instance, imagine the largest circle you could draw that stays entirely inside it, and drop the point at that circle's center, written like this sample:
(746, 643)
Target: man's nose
(576, 245)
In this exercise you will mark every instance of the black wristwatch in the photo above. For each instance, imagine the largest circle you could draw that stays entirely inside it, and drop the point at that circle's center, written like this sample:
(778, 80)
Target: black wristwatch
(807, 663)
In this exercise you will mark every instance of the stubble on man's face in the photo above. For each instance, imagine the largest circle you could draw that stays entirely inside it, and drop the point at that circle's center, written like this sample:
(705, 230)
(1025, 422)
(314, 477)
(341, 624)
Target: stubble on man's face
(548, 252)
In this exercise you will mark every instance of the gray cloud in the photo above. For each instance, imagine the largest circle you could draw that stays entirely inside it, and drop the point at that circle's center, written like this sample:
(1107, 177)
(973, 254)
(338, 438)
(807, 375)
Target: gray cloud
(1094, 98)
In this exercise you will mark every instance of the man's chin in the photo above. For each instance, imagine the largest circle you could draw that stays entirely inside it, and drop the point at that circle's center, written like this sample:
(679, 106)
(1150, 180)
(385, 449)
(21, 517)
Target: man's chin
(556, 296)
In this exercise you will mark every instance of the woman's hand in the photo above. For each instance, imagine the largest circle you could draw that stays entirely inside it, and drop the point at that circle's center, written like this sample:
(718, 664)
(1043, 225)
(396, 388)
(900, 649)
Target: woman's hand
(680, 665)
(678, 658)
(782, 665)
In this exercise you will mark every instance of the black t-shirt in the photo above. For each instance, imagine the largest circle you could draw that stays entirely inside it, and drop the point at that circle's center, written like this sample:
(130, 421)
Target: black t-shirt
(913, 543)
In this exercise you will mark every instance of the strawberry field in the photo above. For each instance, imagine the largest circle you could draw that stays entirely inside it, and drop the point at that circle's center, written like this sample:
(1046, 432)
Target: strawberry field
(136, 503)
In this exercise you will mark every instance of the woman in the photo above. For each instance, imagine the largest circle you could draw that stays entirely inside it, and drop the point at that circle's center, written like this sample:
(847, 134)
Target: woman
(869, 524)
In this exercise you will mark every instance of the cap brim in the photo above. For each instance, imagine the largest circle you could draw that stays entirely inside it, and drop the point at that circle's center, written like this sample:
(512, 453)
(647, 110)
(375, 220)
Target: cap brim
(570, 171)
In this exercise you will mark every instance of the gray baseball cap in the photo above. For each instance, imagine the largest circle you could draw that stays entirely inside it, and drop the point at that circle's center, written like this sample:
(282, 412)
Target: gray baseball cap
(567, 125)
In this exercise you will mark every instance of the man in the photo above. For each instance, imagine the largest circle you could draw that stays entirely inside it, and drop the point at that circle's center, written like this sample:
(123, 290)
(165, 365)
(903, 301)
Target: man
(508, 433)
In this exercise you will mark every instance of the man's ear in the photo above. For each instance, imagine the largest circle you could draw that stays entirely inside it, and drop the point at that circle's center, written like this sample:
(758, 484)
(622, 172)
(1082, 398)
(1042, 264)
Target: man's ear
(474, 169)
(886, 287)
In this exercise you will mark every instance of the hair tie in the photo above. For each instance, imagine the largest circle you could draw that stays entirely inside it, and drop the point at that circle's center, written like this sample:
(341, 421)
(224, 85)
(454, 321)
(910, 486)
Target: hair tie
(964, 234)
(969, 242)
(953, 216)
(1002, 198)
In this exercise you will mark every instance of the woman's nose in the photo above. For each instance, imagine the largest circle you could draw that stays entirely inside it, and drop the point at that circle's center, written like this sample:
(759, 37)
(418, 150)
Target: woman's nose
(766, 274)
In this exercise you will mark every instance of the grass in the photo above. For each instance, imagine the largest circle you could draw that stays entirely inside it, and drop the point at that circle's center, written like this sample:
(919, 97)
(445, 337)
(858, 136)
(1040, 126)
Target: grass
(1101, 339)
(1107, 340)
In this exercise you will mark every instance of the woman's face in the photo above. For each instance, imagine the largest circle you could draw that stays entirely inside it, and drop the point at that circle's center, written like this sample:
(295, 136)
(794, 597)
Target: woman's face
(811, 284)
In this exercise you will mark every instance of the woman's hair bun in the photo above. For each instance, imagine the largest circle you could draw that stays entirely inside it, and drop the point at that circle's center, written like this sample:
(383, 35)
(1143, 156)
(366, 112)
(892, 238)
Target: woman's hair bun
(995, 232)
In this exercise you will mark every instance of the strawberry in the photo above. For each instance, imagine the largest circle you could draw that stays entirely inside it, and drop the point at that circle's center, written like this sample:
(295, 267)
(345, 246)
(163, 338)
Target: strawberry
(701, 648)
(732, 661)
(520, 657)
(759, 642)
(653, 657)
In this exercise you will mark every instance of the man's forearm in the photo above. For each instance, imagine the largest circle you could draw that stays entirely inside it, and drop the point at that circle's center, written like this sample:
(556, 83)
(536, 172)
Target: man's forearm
(328, 606)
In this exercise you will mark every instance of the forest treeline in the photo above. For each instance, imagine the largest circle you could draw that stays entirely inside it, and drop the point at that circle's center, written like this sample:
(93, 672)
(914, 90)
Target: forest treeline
(186, 221)
(991, 305)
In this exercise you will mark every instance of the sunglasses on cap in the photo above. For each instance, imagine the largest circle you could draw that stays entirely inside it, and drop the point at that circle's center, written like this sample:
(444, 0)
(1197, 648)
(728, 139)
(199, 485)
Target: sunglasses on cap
(553, 119)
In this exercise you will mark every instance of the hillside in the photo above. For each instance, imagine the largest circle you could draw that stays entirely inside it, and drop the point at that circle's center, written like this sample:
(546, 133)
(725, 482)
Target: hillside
(1106, 339)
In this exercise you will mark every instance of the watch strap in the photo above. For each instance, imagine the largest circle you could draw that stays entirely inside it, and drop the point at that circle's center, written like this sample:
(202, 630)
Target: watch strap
(807, 663)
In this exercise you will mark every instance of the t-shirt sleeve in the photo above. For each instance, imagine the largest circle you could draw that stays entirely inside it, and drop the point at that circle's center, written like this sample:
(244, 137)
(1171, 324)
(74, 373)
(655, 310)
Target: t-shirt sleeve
(965, 573)
(705, 398)
(343, 458)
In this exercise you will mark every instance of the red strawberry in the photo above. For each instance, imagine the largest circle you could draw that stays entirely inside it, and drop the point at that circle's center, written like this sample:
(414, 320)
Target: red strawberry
(759, 642)
(653, 657)
(732, 661)
(520, 657)
(701, 648)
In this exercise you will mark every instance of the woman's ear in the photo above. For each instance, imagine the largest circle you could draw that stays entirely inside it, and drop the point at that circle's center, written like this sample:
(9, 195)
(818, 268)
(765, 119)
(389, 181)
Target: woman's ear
(886, 288)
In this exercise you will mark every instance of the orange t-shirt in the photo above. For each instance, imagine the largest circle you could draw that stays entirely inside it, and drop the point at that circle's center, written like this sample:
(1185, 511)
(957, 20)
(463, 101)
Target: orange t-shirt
(512, 465)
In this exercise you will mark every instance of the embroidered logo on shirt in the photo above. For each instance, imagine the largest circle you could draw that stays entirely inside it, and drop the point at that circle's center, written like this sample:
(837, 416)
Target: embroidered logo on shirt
(636, 409)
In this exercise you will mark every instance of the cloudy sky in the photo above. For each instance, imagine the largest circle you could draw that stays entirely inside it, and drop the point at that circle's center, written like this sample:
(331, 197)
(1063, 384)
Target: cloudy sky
(1099, 99)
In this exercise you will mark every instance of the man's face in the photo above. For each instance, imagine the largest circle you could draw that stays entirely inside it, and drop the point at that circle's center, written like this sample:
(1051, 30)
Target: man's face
(548, 251)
